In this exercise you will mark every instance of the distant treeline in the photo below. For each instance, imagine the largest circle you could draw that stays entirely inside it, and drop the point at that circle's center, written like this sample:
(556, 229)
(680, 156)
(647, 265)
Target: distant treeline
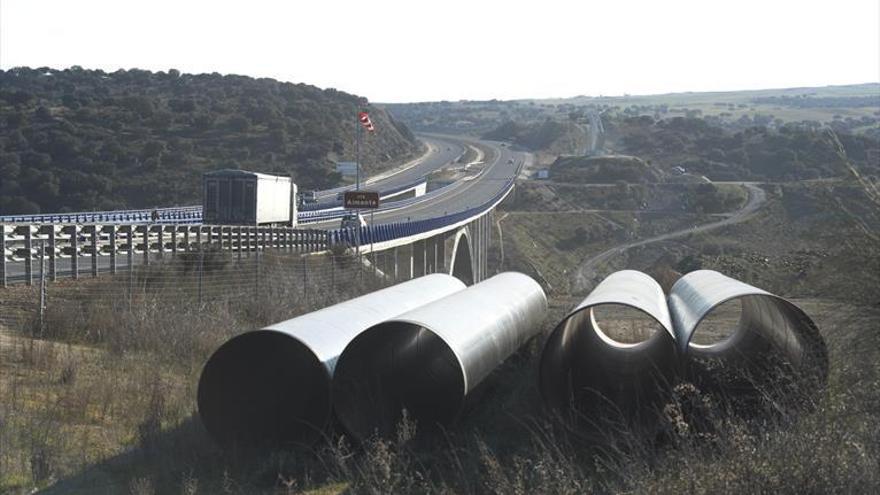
(79, 139)
(791, 152)
(817, 101)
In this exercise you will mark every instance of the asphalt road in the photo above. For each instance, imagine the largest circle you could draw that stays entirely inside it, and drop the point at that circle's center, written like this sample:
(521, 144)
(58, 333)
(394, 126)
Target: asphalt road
(500, 165)
(440, 153)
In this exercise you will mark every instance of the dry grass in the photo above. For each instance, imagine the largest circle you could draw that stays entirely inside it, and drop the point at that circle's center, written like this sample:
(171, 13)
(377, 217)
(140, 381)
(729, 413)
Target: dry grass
(107, 406)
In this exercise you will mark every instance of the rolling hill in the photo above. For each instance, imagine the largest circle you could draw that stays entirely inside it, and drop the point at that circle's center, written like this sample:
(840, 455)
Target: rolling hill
(78, 139)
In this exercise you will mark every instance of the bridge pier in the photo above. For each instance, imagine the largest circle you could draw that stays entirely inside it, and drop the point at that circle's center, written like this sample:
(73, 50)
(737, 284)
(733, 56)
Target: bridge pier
(440, 253)
(418, 258)
(431, 255)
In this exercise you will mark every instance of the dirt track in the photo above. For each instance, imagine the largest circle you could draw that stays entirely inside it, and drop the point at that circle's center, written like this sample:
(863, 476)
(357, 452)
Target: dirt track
(585, 274)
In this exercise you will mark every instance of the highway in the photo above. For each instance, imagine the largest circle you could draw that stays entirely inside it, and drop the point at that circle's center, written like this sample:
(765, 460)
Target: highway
(501, 165)
(440, 152)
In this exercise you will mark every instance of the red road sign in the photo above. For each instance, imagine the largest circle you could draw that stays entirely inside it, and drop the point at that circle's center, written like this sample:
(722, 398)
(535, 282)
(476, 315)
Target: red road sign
(360, 199)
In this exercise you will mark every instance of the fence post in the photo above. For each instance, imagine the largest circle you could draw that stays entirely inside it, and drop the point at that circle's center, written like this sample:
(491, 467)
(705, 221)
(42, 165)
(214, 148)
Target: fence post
(201, 270)
(28, 261)
(94, 239)
(3, 255)
(161, 241)
(129, 238)
(113, 249)
(305, 270)
(42, 285)
(332, 272)
(74, 246)
(174, 241)
(239, 246)
(257, 275)
(146, 245)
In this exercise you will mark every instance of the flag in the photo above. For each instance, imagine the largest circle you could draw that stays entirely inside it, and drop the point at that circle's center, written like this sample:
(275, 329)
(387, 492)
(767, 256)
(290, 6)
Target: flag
(364, 118)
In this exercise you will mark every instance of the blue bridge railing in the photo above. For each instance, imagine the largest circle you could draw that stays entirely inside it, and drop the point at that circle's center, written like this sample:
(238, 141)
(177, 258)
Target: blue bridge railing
(182, 214)
(374, 234)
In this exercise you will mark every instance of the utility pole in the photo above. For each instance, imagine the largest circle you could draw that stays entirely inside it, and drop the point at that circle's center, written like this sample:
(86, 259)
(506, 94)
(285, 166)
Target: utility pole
(42, 286)
(357, 148)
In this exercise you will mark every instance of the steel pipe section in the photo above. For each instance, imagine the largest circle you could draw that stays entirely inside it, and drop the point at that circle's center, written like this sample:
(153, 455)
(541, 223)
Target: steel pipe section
(428, 360)
(773, 349)
(273, 385)
(592, 382)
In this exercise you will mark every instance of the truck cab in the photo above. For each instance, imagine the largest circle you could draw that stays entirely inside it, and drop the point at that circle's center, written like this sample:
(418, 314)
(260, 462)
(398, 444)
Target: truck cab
(308, 197)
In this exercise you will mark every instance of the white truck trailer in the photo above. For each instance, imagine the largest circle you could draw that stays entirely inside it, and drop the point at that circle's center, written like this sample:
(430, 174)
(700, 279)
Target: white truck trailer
(239, 197)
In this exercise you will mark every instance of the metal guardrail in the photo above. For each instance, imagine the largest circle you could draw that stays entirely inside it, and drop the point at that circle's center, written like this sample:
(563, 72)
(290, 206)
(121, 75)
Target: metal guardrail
(175, 214)
(122, 246)
(397, 230)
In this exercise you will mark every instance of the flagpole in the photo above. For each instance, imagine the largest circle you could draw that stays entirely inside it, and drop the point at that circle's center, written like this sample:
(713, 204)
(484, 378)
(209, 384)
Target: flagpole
(357, 186)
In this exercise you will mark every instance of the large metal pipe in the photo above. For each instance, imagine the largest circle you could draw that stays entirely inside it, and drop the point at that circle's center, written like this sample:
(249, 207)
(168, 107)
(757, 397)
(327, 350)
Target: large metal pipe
(772, 336)
(593, 382)
(428, 360)
(273, 386)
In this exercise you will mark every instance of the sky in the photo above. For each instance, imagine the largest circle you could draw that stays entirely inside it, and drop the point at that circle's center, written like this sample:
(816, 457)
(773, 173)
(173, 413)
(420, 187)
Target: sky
(404, 51)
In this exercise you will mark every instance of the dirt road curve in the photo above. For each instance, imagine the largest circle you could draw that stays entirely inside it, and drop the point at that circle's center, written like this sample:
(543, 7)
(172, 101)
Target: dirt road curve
(583, 277)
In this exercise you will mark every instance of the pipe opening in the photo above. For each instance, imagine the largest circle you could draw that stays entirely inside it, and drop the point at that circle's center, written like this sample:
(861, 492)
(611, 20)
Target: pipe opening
(395, 366)
(770, 365)
(591, 380)
(264, 388)
(718, 327)
(623, 326)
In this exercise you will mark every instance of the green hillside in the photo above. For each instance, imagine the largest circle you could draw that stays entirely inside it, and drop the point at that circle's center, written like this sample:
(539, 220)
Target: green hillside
(79, 139)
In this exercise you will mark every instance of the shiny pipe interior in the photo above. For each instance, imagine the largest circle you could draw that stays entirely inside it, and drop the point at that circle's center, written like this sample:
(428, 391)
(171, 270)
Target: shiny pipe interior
(772, 345)
(773, 358)
(590, 380)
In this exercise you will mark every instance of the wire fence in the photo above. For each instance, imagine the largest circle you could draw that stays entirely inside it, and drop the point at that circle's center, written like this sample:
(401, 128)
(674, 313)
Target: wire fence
(268, 286)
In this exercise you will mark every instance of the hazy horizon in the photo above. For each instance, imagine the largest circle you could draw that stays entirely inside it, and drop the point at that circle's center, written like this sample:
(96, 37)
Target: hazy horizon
(403, 52)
